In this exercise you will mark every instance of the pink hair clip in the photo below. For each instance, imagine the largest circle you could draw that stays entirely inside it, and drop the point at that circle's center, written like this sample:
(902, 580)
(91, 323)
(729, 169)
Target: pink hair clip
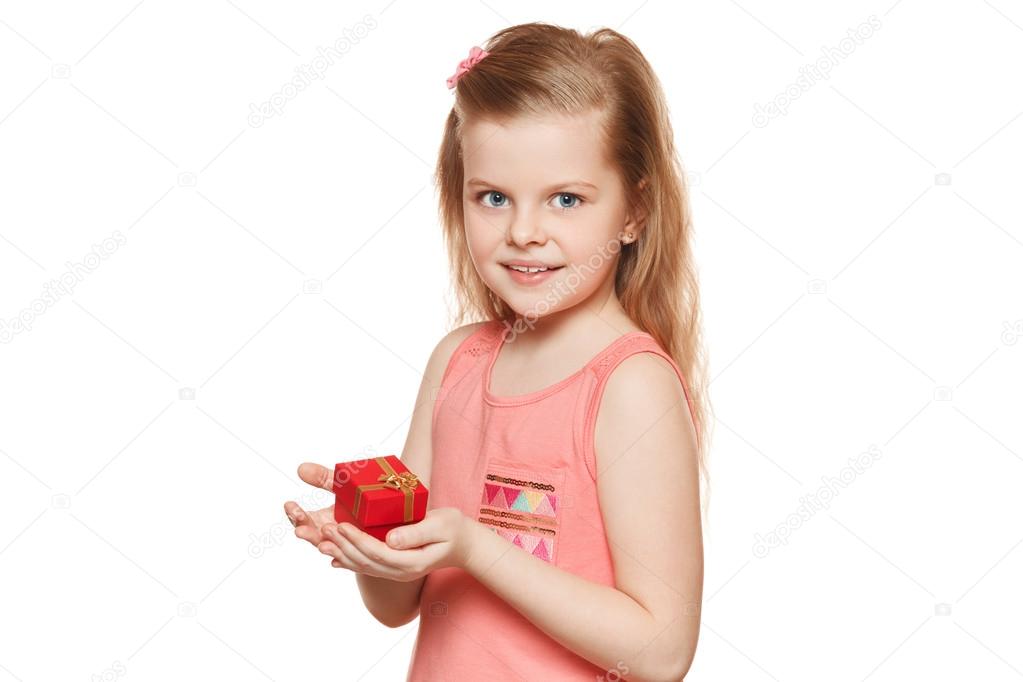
(475, 55)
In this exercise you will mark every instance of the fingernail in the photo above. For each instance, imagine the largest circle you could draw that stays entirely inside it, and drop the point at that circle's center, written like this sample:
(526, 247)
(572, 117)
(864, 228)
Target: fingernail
(395, 539)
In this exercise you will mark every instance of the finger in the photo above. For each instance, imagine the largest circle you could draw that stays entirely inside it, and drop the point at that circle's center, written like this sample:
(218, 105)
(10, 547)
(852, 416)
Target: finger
(372, 548)
(315, 517)
(430, 529)
(311, 535)
(305, 525)
(317, 475)
(331, 533)
(294, 513)
(297, 515)
(368, 561)
(339, 559)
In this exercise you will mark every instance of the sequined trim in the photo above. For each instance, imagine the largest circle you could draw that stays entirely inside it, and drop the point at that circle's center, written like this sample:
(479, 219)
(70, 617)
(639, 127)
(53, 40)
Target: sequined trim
(516, 481)
(520, 517)
(505, 524)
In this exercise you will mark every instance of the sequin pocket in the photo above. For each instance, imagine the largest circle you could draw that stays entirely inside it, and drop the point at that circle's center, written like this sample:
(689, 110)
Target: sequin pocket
(523, 506)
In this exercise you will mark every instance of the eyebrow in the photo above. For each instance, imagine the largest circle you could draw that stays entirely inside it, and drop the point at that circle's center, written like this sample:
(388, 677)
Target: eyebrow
(560, 185)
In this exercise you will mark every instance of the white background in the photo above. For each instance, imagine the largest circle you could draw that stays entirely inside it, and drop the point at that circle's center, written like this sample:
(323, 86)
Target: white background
(860, 262)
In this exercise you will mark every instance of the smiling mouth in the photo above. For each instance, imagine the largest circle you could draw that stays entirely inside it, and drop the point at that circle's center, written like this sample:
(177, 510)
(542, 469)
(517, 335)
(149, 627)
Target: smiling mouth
(529, 270)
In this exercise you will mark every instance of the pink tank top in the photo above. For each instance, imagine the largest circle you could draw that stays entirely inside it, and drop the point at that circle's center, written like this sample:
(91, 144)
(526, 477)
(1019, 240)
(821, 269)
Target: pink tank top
(524, 466)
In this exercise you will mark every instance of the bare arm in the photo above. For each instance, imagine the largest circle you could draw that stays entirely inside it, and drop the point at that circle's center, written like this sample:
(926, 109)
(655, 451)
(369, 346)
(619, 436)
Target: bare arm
(391, 602)
(646, 627)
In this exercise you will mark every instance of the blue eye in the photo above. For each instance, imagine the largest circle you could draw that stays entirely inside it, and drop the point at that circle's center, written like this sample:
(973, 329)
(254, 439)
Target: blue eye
(563, 195)
(495, 193)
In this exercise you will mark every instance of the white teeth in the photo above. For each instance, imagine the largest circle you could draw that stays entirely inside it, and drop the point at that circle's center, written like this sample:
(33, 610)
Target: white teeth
(522, 268)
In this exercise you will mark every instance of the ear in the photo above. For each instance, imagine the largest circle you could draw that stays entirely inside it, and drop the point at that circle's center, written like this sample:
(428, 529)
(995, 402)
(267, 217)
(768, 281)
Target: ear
(635, 220)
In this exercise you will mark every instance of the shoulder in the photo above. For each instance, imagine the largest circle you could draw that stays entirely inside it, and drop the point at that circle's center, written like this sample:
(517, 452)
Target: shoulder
(643, 400)
(645, 376)
(446, 347)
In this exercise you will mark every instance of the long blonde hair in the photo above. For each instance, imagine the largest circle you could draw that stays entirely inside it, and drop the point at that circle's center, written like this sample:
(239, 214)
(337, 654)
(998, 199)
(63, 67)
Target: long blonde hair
(539, 68)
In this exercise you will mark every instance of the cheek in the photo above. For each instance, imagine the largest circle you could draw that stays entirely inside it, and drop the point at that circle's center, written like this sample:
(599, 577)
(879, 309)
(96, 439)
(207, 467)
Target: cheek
(597, 254)
(592, 272)
(483, 240)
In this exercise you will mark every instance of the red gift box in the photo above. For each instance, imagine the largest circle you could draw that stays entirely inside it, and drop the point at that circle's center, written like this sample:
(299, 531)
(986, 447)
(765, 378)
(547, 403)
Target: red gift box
(378, 494)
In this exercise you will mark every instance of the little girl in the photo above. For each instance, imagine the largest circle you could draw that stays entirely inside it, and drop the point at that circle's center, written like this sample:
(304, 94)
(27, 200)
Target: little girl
(558, 437)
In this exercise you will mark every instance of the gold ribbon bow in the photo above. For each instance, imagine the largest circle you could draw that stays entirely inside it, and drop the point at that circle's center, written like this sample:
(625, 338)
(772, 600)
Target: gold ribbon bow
(405, 479)
(406, 482)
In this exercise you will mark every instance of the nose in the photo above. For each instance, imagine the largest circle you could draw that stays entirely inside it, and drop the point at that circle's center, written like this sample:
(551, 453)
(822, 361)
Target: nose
(525, 229)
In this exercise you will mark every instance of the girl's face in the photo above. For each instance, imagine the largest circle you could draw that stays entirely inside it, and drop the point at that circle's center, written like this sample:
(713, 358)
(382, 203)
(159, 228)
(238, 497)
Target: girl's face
(539, 192)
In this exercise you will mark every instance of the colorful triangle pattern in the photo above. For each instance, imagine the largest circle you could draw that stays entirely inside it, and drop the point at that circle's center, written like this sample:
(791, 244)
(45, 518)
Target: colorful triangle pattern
(529, 501)
(542, 548)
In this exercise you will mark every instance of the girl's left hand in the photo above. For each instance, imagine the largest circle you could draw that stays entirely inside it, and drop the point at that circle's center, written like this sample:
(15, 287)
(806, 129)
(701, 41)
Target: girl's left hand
(441, 539)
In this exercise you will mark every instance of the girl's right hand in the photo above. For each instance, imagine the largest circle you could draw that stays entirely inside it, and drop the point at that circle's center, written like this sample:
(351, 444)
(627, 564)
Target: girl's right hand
(308, 524)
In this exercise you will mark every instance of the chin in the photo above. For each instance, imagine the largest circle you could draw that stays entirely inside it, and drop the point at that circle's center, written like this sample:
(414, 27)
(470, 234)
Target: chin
(538, 306)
